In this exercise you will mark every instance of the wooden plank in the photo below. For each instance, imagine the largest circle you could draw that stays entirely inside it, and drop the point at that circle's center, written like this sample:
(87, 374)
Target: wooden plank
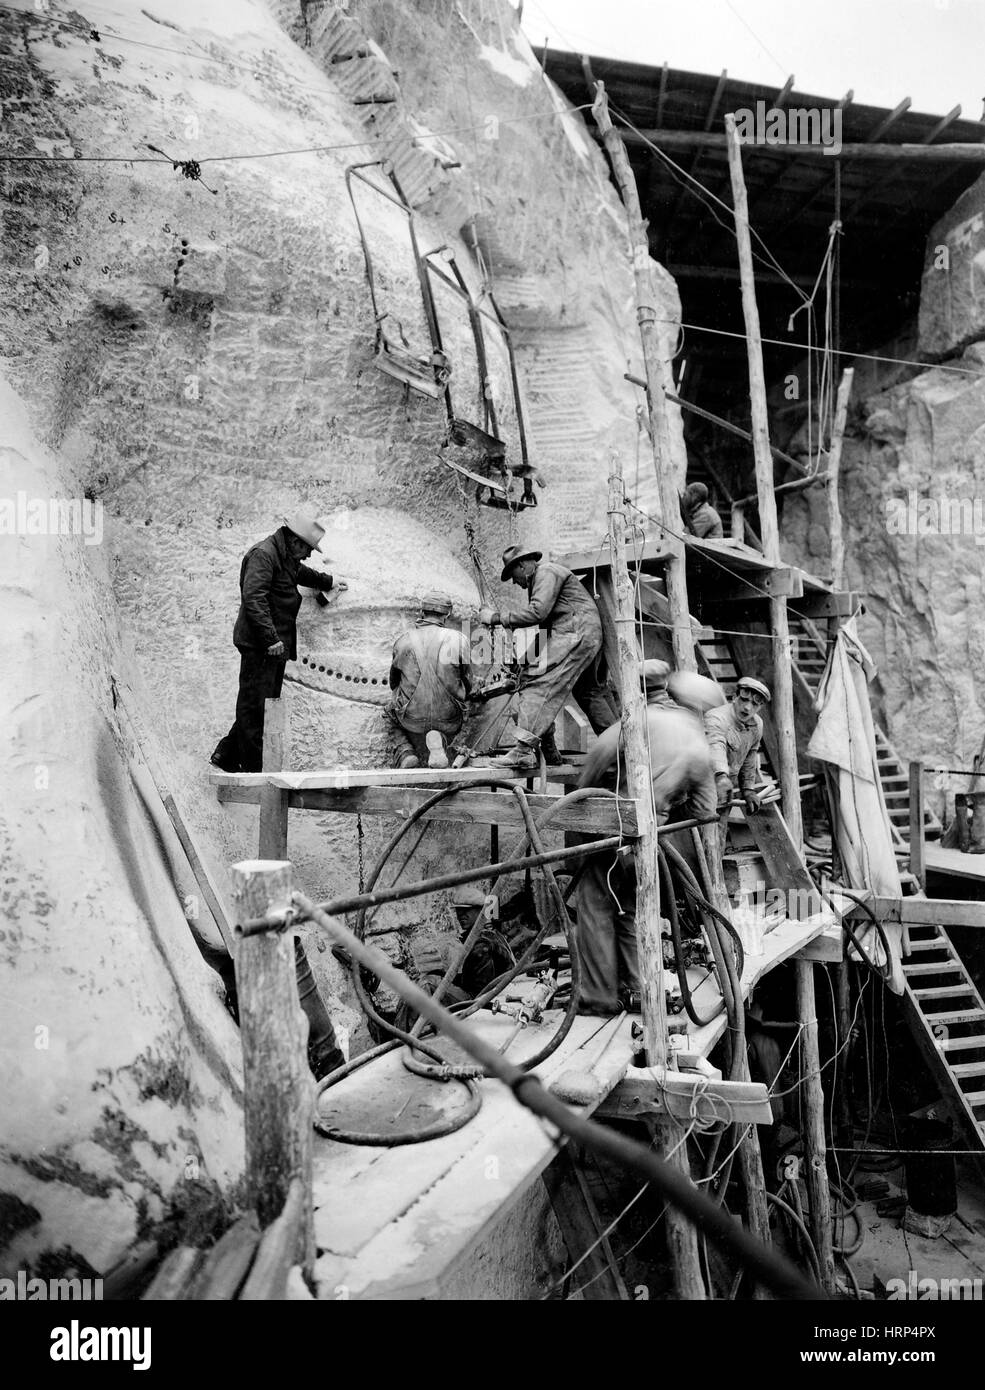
(784, 865)
(656, 1091)
(278, 1250)
(175, 1278)
(906, 153)
(651, 554)
(578, 1219)
(601, 815)
(228, 1262)
(345, 778)
(814, 603)
(812, 1101)
(832, 477)
(930, 912)
(939, 860)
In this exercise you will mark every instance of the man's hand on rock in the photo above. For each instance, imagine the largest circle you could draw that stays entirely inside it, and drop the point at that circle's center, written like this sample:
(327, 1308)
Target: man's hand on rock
(487, 616)
(278, 649)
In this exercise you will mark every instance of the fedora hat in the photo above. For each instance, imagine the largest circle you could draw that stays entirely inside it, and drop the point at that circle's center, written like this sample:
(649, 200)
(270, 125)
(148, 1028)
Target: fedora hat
(513, 554)
(304, 523)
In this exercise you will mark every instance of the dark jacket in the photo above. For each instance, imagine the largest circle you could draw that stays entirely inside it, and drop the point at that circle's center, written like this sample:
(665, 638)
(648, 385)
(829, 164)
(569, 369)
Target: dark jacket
(268, 585)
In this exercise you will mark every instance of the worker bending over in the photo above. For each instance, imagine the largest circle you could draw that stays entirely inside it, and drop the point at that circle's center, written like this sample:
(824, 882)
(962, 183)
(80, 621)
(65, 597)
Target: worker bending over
(734, 732)
(681, 773)
(560, 604)
(700, 516)
(431, 678)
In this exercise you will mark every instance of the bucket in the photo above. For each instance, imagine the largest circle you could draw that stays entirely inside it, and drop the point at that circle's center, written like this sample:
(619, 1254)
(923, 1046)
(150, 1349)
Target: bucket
(931, 1179)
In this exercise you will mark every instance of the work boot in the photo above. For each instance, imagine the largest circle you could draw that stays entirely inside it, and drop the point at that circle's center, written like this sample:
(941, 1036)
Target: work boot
(437, 757)
(522, 757)
(549, 748)
(408, 760)
(961, 822)
(977, 845)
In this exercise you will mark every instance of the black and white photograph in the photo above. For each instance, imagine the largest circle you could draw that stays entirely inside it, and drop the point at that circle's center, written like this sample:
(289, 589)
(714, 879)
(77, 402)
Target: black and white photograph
(492, 671)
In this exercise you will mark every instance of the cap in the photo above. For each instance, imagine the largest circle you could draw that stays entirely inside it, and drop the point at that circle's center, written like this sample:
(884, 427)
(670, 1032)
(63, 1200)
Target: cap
(750, 683)
(654, 674)
(433, 602)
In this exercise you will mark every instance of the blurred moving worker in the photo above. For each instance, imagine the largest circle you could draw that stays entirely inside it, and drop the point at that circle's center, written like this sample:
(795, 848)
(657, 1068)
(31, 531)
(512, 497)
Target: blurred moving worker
(431, 679)
(265, 634)
(568, 660)
(681, 772)
(700, 516)
(735, 732)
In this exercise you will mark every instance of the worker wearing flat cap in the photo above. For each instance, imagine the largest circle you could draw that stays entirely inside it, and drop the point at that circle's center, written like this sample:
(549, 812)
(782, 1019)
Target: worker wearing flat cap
(265, 634)
(605, 898)
(431, 678)
(558, 603)
(734, 732)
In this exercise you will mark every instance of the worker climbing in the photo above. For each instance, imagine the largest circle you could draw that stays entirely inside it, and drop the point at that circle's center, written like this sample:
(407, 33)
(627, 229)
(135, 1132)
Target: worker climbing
(431, 679)
(568, 661)
(265, 634)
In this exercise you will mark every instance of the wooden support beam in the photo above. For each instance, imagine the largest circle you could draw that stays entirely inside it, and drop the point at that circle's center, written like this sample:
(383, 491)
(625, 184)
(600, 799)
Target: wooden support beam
(954, 153)
(669, 454)
(783, 707)
(278, 1087)
(831, 478)
(280, 1244)
(598, 1273)
(784, 865)
(918, 867)
(663, 1092)
(924, 912)
(601, 815)
(812, 604)
(273, 800)
(815, 1159)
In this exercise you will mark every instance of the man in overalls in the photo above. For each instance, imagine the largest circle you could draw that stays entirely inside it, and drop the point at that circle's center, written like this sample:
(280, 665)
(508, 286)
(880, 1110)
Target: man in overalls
(567, 664)
(431, 677)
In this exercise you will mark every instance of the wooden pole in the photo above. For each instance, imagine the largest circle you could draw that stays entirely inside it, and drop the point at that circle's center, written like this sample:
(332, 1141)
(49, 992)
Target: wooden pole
(782, 710)
(918, 866)
(278, 1086)
(682, 1240)
(669, 457)
(831, 482)
(274, 800)
(815, 1160)
(639, 783)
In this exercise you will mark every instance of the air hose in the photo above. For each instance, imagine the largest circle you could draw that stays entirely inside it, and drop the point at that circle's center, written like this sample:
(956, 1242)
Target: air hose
(438, 1067)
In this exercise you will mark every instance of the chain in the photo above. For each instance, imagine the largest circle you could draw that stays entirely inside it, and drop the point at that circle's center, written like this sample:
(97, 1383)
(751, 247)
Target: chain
(359, 849)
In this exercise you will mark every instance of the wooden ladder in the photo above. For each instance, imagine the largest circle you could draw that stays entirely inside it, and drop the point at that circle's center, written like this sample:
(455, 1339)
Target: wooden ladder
(946, 1014)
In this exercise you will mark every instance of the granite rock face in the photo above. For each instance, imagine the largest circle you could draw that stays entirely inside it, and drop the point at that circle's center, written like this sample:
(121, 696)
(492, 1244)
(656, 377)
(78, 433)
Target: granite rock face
(952, 297)
(191, 348)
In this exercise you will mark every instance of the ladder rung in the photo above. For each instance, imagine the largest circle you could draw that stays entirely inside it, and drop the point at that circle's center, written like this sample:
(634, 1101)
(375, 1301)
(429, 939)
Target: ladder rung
(943, 967)
(944, 990)
(956, 1016)
(964, 1044)
(974, 1097)
(968, 1068)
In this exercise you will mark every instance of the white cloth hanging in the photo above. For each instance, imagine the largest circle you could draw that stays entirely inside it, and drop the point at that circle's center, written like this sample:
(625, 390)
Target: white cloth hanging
(844, 739)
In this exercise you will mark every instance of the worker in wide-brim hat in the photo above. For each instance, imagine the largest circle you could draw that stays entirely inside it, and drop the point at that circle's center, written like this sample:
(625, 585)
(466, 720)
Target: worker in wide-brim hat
(735, 732)
(567, 661)
(431, 678)
(265, 634)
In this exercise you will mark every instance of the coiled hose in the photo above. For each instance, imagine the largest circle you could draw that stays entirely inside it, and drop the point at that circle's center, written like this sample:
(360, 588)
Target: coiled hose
(439, 1068)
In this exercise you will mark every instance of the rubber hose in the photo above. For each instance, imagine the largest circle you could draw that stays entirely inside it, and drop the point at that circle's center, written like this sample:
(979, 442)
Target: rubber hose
(668, 902)
(809, 1249)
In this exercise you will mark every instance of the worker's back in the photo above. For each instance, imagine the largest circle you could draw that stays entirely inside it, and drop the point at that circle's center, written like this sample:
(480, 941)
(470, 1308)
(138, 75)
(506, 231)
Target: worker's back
(679, 755)
(433, 663)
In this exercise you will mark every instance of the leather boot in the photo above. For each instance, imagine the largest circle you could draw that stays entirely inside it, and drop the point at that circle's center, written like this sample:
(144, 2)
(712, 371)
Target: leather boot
(549, 748)
(961, 822)
(522, 757)
(977, 836)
